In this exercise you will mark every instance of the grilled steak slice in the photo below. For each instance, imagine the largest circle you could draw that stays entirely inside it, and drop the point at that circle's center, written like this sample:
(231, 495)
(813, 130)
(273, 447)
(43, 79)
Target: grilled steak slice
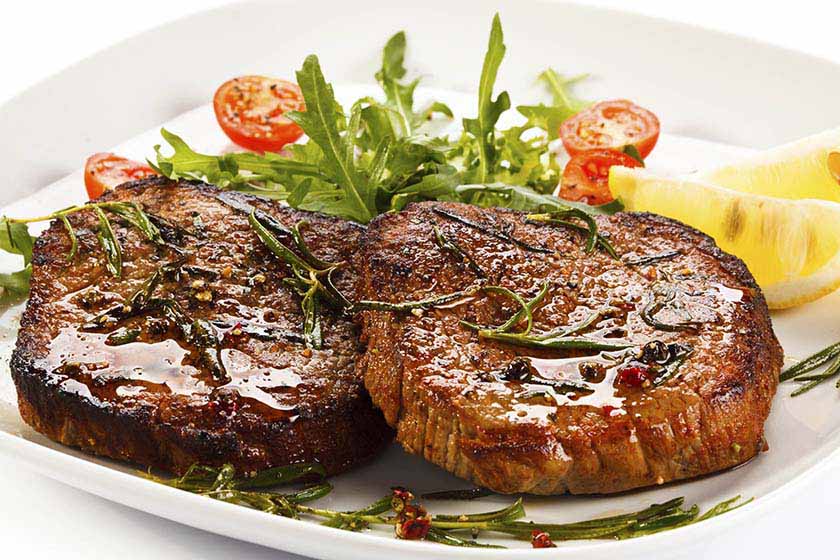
(214, 370)
(689, 396)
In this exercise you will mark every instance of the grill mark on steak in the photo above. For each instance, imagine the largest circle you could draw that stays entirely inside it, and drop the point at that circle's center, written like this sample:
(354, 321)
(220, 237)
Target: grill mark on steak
(432, 377)
(154, 400)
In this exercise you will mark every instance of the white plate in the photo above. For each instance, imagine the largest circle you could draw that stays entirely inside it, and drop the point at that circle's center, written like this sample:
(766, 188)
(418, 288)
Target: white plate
(730, 99)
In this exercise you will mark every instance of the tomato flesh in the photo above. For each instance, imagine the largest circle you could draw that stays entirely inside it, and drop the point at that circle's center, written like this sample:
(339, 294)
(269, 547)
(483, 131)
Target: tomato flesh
(611, 125)
(104, 171)
(586, 176)
(251, 110)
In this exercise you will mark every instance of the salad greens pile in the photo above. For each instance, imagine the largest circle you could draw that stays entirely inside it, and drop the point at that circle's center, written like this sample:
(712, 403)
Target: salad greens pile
(381, 156)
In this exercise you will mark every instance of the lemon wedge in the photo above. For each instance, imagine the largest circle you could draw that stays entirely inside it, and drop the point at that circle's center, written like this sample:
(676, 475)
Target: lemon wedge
(806, 168)
(791, 246)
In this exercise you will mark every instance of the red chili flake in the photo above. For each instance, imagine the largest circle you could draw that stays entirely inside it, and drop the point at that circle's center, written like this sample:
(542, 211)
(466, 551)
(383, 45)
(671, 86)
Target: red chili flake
(633, 376)
(234, 334)
(541, 539)
(400, 498)
(413, 529)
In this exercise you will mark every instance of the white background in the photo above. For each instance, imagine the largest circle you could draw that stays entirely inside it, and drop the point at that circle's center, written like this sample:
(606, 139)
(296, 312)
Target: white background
(40, 518)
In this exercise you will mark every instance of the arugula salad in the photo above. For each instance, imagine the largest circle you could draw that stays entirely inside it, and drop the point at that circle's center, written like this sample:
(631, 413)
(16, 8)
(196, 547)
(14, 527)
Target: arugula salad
(381, 153)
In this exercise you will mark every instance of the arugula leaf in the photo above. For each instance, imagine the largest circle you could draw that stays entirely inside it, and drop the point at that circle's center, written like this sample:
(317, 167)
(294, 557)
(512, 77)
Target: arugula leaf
(15, 285)
(547, 117)
(437, 107)
(320, 123)
(225, 171)
(550, 117)
(15, 239)
(527, 161)
(559, 87)
(483, 127)
(400, 96)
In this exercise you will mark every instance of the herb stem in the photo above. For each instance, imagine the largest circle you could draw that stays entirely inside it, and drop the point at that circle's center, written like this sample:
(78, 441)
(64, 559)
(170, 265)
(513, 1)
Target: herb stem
(812, 362)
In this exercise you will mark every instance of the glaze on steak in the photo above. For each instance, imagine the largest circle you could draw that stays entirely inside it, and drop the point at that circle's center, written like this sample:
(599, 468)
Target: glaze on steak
(161, 401)
(616, 419)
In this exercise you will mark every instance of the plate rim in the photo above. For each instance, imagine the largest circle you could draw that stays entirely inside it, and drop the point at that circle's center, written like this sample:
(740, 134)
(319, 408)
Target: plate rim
(100, 478)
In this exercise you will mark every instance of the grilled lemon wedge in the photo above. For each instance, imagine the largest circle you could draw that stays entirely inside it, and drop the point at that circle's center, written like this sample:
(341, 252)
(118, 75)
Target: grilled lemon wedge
(807, 168)
(791, 244)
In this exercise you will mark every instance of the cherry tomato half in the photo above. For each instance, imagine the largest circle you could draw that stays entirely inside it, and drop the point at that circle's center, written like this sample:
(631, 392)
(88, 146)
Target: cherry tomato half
(611, 125)
(586, 176)
(251, 111)
(104, 171)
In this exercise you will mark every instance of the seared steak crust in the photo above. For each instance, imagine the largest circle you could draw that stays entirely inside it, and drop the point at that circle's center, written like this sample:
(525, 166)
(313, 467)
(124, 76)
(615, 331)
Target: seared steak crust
(156, 401)
(466, 403)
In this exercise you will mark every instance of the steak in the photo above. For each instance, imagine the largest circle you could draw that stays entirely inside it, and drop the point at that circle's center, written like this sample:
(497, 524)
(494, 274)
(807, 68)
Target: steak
(217, 370)
(655, 364)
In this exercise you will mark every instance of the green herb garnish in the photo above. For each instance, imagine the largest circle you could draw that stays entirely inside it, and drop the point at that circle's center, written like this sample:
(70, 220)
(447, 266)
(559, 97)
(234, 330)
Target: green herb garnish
(450, 247)
(801, 372)
(562, 218)
(257, 492)
(650, 259)
(557, 339)
(491, 231)
(311, 277)
(379, 156)
(15, 238)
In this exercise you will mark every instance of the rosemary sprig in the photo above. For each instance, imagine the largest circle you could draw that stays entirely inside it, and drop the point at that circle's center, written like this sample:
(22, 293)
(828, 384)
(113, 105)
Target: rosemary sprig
(811, 362)
(813, 380)
(311, 277)
(558, 339)
(131, 213)
(509, 513)
(74, 242)
(650, 259)
(677, 357)
(451, 247)
(198, 332)
(358, 520)
(137, 303)
(465, 494)
(562, 218)
(526, 310)
(491, 231)
(553, 343)
(122, 336)
(127, 211)
(578, 327)
(801, 372)
(109, 243)
(442, 537)
(221, 483)
(402, 306)
(260, 331)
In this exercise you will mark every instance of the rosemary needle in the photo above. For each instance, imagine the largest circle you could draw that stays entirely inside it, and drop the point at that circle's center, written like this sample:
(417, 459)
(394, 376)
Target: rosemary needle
(814, 380)
(811, 362)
